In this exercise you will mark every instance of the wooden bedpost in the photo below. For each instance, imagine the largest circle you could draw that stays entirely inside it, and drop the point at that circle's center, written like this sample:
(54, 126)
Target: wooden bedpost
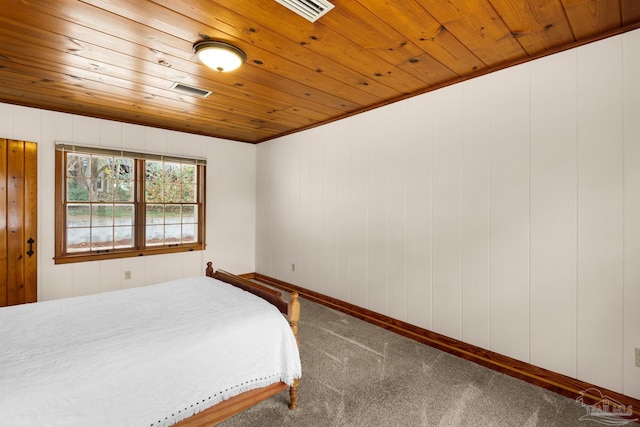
(294, 316)
(293, 395)
(209, 270)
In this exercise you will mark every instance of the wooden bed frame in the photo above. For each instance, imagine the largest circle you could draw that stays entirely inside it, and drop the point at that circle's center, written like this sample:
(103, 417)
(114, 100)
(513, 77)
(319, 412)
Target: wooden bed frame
(237, 404)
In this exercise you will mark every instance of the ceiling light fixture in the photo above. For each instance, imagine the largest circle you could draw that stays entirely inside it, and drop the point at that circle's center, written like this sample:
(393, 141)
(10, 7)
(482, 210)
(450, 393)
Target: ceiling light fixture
(219, 56)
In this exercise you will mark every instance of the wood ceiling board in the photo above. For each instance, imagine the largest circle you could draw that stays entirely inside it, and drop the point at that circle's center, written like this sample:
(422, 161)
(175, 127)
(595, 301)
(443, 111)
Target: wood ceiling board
(422, 29)
(117, 59)
(538, 25)
(588, 17)
(630, 11)
(479, 27)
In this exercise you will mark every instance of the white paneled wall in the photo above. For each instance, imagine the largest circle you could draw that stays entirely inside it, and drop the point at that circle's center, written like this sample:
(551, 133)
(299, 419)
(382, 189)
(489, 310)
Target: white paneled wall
(631, 249)
(553, 197)
(230, 194)
(503, 211)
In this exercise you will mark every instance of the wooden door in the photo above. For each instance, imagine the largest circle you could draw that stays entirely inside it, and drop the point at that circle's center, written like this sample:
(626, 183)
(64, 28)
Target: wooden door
(18, 221)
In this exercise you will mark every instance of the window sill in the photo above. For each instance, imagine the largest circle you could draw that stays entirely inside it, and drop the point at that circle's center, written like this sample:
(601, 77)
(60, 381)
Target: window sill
(93, 256)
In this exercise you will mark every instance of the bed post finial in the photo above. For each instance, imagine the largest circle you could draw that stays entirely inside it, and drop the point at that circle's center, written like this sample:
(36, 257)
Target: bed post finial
(209, 270)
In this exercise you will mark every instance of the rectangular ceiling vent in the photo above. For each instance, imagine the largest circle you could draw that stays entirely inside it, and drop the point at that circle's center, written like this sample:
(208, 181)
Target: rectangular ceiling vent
(311, 10)
(191, 90)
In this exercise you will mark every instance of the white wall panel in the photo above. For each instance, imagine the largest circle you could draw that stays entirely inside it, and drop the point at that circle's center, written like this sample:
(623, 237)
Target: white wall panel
(340, 131)
(631, 290)
(447, 218)
(281, 205)
(110, 134)
(509, 217)
(26, 124)
(377, 211)
(302, 269)
(85, 130)
(54, 127)
(330, 215)
(396, 163)
(85, 278)
(264, 241)
(419, 211)
(600, 213)
(315, 227)
(156, 268)
(359, 221)
(111, 276)
(6, 120)
(134, 137)
(157, 140)
(56, 283)
(231, 199)
(296, 235)
(553, 212)
(476, 139)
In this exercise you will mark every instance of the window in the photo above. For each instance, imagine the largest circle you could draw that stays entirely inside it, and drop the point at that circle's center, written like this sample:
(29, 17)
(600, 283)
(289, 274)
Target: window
(112, 204)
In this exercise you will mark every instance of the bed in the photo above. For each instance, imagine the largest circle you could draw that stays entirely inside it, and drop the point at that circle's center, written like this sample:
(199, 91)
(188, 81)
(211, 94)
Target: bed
(190, 352)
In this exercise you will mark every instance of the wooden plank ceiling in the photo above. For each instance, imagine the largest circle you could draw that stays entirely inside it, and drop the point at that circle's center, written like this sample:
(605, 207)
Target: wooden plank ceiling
(117, 59)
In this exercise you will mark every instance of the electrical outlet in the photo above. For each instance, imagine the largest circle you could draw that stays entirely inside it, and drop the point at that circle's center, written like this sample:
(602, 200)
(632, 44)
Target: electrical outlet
(638, 357)
(293, 267)
(127, 275)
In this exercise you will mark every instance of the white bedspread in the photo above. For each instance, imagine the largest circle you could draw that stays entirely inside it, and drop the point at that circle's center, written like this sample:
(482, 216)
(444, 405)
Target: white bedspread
(144, 357)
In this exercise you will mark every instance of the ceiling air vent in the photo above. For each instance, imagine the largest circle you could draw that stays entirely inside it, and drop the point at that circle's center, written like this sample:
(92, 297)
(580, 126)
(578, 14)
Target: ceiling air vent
(191, 90)
(311, 10)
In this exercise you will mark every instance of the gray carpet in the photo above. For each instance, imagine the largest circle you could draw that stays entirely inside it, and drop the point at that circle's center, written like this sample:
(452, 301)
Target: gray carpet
(357, 374)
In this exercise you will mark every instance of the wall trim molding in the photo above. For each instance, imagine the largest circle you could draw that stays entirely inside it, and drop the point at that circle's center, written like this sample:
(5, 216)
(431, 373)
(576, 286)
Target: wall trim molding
(553, 381)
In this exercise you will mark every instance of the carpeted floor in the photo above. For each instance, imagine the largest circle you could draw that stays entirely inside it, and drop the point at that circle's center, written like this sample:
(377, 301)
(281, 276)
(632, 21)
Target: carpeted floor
(357, 374)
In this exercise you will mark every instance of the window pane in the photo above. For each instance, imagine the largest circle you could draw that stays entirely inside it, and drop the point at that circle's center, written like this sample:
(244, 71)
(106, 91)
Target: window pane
(188, 175)
(102, 166)
(155, 214)
(102, 190)
(101, 215)
(78, 189)
(123, 237)
(189, 193)
(171, 172)
(78, 239)
(172, 214)
(155, 235)
(153, 181)
(124, 169)
(172, 193)
(78, 173)
(78, 165)
(188, 233)
(189, 214)
(172, 234)
(123, 215)
(123, 191)
(78, 216)
(101, 238)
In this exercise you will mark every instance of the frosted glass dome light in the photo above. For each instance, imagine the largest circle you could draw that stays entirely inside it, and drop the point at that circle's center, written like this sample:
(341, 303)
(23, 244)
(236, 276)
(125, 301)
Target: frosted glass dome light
(219, 56)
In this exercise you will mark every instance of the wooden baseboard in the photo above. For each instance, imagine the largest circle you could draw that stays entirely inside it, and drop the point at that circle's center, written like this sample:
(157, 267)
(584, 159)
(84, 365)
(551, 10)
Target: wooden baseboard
(558, 383)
